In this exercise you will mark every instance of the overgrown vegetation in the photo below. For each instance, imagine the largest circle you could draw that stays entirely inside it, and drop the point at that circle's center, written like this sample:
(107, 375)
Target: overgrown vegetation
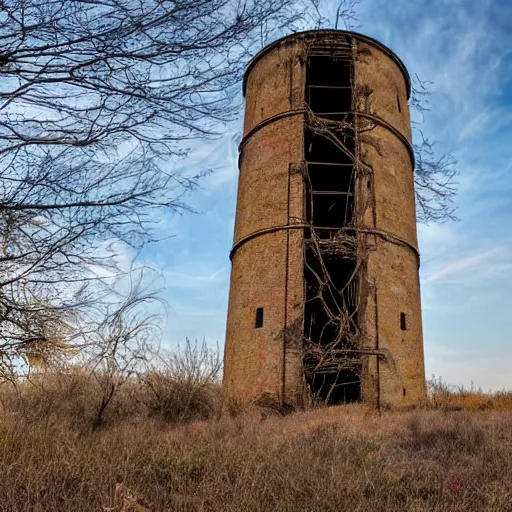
(169, 440)
(173, 387)
(457, 398)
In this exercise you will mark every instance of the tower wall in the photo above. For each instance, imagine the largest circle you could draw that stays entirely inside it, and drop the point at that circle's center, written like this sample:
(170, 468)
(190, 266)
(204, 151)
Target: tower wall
(393, 262)
(272, 226)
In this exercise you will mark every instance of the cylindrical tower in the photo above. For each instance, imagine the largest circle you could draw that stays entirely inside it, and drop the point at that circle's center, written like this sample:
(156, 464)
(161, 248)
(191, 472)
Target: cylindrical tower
(324, 296)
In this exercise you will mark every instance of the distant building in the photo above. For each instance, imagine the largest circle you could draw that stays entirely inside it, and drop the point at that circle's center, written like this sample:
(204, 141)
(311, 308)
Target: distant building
(325, 294)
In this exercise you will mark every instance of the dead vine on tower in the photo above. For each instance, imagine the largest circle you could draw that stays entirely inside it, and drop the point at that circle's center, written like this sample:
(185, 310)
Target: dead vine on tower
(335, 256)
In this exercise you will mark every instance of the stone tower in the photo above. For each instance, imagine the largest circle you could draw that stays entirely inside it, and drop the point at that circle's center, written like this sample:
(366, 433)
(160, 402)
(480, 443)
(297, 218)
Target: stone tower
(325, 294)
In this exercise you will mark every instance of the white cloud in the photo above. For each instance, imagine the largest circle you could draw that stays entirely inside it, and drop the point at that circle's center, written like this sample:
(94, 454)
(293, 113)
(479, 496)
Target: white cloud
(180, 277)
(462, 265)
(477, 125)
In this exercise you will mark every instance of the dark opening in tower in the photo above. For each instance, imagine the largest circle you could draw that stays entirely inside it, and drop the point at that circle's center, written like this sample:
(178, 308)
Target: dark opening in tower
(332, 363)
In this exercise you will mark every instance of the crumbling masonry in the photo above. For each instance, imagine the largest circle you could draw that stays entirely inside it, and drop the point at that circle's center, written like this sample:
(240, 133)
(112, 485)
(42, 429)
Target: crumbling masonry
(324, 300)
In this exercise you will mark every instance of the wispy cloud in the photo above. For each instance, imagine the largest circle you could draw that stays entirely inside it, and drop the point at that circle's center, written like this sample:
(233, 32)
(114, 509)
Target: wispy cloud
(179, 279)
(477, 125)
(462, 265)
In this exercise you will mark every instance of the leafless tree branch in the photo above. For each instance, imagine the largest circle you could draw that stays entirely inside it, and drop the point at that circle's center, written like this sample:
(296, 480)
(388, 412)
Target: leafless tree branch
(98, 99)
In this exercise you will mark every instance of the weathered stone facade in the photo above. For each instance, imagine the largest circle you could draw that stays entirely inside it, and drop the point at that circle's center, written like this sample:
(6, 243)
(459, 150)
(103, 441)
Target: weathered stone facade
(272, 295)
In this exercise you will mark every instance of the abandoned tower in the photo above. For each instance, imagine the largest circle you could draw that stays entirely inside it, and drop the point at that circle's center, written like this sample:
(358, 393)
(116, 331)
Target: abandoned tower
(325, 298)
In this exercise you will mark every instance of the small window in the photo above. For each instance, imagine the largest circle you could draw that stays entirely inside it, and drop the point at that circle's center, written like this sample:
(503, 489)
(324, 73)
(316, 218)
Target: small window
(259, 318)
(403, 321)
(404, 392)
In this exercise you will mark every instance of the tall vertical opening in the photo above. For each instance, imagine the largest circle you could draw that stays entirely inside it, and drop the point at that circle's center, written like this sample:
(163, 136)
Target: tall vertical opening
(331, 361)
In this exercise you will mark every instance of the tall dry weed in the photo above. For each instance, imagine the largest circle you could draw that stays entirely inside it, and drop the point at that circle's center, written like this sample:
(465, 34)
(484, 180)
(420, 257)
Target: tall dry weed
(457, 398)
(170, 445)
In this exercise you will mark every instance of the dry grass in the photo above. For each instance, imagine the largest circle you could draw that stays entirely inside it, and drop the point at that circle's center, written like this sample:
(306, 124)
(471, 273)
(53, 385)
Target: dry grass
(346, 458)
(71, 400)
(456, 398)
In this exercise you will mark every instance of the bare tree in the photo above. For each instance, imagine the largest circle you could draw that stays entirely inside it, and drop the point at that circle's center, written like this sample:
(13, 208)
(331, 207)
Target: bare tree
(122, 344)
(346, 14)
(435, 173)
(97, 98)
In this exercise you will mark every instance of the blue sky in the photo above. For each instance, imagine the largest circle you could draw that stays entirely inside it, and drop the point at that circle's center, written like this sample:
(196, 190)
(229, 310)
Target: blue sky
(465, 48)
